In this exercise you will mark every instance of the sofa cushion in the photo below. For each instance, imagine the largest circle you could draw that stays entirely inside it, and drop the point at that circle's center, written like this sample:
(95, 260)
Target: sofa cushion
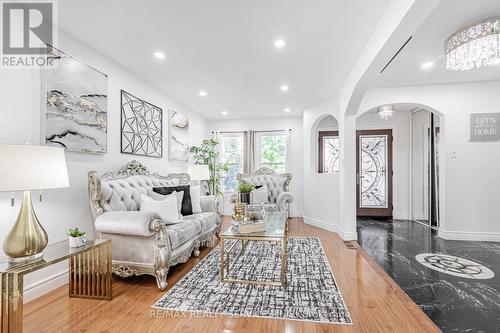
(207, 220)
(180, 233)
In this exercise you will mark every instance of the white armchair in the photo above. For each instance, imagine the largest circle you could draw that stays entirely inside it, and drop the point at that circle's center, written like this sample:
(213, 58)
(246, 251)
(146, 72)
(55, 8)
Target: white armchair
(277, 186)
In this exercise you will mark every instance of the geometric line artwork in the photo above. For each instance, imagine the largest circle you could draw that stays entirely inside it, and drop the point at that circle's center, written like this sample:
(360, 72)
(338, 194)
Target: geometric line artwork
(456, 266)
(141, 127)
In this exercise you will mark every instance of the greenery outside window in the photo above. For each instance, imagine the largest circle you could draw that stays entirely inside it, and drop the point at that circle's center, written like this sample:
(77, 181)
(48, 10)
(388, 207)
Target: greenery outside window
(270, 151)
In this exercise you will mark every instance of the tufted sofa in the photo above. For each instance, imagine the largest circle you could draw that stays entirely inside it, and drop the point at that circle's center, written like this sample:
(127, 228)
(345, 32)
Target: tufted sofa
(142, 243)
(277, 186)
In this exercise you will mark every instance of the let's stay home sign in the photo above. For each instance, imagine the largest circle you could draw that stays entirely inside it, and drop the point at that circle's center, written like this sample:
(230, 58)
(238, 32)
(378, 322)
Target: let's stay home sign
(484, 127)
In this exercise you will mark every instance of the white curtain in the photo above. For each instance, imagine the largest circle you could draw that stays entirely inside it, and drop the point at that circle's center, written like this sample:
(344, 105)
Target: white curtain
(248, 151)
(288, 166)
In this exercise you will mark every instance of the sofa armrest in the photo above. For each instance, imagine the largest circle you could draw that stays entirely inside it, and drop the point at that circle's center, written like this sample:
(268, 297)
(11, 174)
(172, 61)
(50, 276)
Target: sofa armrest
(135, 223)
(209, 203)
(283, 200)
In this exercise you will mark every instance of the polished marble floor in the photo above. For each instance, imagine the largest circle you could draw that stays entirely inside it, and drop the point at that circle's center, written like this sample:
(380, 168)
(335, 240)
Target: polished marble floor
(455, 303)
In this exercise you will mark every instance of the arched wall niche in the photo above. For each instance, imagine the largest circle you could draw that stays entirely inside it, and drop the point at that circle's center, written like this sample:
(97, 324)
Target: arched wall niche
(324, 122)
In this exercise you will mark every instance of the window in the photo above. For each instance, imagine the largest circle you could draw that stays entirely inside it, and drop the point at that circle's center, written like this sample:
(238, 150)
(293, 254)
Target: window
(270, 151)
(231, 145)
(328, 151)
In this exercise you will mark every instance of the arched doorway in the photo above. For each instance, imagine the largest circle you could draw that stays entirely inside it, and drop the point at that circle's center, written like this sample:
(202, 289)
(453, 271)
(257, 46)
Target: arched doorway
(398, 163)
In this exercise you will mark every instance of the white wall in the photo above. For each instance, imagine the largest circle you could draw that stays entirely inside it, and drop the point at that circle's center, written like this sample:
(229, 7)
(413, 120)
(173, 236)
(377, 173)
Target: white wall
(469, 183)
(297, 164)
(321, 190)
(400, 124)
(21, 96)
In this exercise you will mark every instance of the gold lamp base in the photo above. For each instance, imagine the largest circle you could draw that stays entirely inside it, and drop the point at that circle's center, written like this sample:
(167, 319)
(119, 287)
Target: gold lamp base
(27, 238)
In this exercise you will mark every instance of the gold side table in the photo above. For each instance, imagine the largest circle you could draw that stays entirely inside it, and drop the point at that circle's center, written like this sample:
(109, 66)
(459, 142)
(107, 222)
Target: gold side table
(89, 277)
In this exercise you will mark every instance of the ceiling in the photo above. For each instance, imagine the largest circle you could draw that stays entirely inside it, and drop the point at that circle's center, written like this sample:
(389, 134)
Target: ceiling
(427, 44)
(225, 47)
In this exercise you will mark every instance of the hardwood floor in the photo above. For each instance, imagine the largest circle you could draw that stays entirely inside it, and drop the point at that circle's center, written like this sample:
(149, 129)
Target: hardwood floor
(375, 302)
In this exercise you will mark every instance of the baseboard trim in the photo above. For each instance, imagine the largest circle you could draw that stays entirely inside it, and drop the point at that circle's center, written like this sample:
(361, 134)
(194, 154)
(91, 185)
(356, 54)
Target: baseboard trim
(44, 286)
(331, 227)
(321, 224)
(469, 235)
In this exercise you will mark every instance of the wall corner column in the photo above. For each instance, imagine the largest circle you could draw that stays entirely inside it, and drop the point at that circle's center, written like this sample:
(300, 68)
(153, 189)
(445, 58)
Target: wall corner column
(347, 177)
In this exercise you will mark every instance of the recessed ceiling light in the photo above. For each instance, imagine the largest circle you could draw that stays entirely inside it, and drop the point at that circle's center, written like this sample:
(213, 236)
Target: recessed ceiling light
(279, 43)
(287, 109)
(202, 93)
(224, 113)
(159, 55)
(284, 87)
(427, 64)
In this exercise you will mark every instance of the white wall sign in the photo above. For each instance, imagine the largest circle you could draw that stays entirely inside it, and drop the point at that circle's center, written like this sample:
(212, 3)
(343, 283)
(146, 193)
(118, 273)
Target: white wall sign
(484, 127)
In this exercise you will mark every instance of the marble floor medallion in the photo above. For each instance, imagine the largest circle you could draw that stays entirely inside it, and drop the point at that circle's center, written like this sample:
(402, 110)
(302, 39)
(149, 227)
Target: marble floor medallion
(456, 266)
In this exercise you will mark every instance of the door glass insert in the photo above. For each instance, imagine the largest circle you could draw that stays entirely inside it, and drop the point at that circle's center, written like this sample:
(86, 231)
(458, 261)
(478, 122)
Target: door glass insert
(373, 171)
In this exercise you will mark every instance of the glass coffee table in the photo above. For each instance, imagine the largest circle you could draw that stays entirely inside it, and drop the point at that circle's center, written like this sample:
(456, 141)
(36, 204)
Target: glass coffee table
(276, 231)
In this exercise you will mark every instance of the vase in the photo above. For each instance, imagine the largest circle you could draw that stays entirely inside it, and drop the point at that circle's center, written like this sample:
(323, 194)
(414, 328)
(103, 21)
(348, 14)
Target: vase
(77, 241)
(245, 198)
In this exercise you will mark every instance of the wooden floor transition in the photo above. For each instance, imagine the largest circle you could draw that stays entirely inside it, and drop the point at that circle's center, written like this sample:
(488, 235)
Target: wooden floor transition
(375, 302)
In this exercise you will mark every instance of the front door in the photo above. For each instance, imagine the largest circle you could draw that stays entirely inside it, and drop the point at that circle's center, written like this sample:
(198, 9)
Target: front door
(374, 173)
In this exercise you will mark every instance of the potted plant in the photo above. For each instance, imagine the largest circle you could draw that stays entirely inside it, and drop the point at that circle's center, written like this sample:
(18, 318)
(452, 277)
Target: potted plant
(76, 238)
(208, 153)
(244, 190)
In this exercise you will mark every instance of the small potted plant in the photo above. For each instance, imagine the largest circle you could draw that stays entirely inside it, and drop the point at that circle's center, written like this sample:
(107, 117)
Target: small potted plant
(76, 238)
(244, 190)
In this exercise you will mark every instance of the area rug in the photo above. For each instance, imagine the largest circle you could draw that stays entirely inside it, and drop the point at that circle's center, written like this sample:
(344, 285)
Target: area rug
(310, 294)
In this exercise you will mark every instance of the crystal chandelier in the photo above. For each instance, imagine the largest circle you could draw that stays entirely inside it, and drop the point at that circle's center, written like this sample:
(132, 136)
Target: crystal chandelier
(474, 46)
(386, 111)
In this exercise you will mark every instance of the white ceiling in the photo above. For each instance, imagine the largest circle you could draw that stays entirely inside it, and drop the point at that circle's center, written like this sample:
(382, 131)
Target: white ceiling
(427, 44)
(225, 47)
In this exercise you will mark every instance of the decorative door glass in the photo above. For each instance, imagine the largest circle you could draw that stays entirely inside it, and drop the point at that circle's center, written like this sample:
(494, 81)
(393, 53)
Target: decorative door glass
(331, 146)
(373, 171)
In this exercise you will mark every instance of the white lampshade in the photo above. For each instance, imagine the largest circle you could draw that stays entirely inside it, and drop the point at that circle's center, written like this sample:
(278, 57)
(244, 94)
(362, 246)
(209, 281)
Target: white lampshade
(27, 167)
(198, 172)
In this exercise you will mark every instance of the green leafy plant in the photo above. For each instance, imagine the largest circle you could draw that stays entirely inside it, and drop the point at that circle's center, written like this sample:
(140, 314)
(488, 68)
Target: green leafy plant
(75, 232)
(245, 188)
(207, 153)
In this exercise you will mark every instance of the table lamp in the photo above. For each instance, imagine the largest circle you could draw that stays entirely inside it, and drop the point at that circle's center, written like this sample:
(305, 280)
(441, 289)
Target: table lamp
(26, 168)
(198, 172)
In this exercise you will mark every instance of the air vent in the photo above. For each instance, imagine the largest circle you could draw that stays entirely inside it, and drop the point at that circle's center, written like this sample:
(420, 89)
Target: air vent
(396, 54)
(350, 245)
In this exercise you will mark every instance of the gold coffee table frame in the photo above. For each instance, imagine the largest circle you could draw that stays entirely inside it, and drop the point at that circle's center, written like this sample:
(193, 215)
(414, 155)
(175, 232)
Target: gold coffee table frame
(276, 231)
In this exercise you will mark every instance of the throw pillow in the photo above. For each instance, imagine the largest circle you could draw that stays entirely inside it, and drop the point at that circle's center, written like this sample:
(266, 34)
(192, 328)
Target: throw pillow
(158, 196)
(186, 208)
(195, 199)
(259, 195)
(166, 208)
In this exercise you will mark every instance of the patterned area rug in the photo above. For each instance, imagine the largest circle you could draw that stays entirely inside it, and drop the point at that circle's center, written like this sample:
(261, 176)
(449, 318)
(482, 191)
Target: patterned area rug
(310, 294)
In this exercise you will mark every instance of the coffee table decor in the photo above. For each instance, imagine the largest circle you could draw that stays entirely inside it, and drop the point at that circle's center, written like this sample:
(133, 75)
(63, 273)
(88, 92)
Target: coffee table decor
(310, 293)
